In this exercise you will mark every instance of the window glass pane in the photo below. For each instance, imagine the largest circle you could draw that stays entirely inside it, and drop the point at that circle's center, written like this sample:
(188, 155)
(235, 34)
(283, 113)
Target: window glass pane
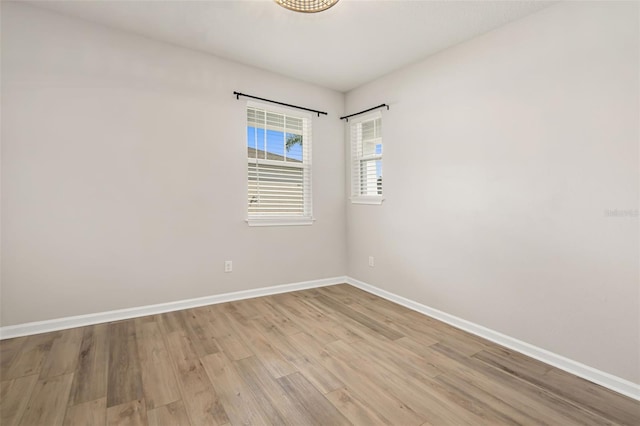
(255, 142)
(293, 146)
(275, 137)
(274, 145)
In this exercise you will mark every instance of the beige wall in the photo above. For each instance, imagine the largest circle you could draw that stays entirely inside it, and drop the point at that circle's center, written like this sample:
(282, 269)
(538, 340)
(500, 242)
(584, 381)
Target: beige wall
(502, 156)
(124, 173)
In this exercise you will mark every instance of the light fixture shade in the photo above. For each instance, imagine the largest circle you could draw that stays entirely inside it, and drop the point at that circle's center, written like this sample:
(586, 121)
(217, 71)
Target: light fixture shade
(307, 6)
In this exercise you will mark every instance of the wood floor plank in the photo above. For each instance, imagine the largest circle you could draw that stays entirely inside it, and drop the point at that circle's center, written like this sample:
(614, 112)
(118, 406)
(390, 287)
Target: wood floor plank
(337, 293)
(319, 376)
(9, 348)
(124, 378)
(63, 356)
(305, 395)
(189, 322)
(90, 379)
(173, 414)
(309, 319)
(462, 344)
(399, 357)
(343, 327)
(232, 345)
(305, 294)
(14, 397)
(512, 392)
(424, 329)
(169, 322)
(158, 377)
(198, 328)
(517, 360)
(512, 414)
(395, 410)
(325, 320)
(354, 409)
(31, 356)
(546, 401)
(132, 413)
(265, 387)
(356, 316)
(240, 310)
(424, 400)
(594, 398)
(507, 364)
(145, 319)
(239, 402)
(277, 318)
(483, 411)
(198, 395)
(48, 403)
(359, 295)
(91, 413)
(273, 360)
(399, 324)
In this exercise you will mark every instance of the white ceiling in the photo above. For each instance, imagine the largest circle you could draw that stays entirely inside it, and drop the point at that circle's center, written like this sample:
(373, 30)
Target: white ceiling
(341, 48)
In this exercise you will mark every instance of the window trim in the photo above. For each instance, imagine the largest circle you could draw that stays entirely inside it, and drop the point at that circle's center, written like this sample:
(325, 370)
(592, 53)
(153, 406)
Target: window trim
(355, 173)
(280, 221)
(367, 199)
(283, 220)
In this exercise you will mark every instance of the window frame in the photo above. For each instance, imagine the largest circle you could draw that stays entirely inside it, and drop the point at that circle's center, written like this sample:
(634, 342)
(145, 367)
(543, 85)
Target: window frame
(306, 218)
(356, 160)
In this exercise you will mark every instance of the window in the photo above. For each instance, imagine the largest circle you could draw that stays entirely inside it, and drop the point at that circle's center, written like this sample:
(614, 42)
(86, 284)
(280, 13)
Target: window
(366, 159)
(278, 166)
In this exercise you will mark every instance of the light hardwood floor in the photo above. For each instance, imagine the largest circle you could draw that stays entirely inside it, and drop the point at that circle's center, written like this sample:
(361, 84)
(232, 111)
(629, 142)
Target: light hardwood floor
(329, 356)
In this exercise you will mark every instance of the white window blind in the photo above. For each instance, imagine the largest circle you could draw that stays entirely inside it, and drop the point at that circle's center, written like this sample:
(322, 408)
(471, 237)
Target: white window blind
(366, 159)
(279, 166)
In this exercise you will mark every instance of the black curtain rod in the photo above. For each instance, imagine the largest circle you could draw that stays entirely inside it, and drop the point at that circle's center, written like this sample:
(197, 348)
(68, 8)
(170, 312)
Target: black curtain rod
(346, 117)
(238, 94)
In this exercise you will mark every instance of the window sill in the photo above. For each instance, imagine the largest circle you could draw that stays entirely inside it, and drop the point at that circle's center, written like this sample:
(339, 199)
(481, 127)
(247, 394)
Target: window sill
(280, 221)
(367, 200)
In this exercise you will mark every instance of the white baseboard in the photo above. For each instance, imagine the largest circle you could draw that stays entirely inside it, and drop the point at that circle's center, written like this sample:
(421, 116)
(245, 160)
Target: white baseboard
(602, 378)
(37, 327)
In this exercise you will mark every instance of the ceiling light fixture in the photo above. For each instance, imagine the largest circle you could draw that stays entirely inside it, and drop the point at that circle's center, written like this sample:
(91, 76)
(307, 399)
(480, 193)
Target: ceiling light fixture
(306, 6)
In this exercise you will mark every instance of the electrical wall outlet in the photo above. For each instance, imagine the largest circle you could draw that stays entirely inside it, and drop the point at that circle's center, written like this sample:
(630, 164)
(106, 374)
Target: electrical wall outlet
(371, 262)
(228, 266)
